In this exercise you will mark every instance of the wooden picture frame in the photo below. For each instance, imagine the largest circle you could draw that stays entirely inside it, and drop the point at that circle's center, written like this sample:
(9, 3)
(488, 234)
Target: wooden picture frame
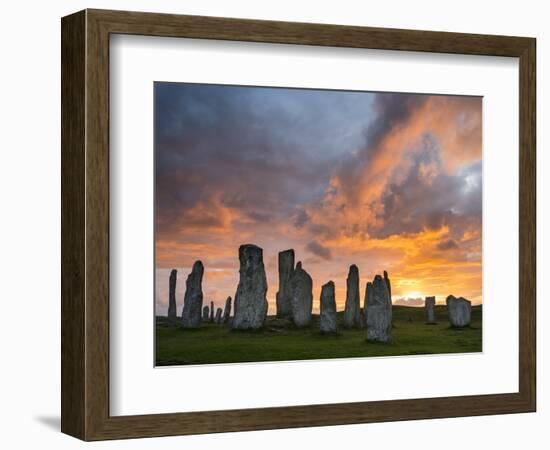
(85, 224)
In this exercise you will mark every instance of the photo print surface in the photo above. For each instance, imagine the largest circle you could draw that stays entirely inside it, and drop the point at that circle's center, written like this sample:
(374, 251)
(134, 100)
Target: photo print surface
(296, 224)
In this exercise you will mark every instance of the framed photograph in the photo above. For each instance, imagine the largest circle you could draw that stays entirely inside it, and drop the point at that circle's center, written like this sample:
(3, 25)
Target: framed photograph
(273, 225)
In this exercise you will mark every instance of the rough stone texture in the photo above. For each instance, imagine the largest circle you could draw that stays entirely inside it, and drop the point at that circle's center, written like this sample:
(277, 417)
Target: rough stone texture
(192, 302)
(328, 309)
(388, 282)
(205, 313)
(250, 299)
(218, 318)
(301, 286)
(172, 314)
(459, 311)
(429, 307)
(379, 311)
(227, 310)
(284, 295)
(212, 312)
(352, 312)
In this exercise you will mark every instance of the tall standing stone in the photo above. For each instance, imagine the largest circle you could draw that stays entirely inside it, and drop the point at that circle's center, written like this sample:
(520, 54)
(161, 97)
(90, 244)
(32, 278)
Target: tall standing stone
(379, 311)
(192, 302)
(205, 313)
(429, 307)
(218, 318)
(250, 298)
(284, 295)
(301, 286)
(388, 282)
(368, 293)
(172, 314)
(328, 309)
(211, 311)
(352, 312)
(459, 311)
(227, 310)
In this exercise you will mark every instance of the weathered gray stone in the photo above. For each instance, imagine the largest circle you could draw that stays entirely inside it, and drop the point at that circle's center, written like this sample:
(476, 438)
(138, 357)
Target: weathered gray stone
(218, 318)
(284, 295)
(429, 307)
(459, 311)
(328, 309)
(301, 303)
(172, 314)
(368, 292)
(379, 311)
(192, 302)
(250, 298)
(227, 310)
(205, 313)
(352, 312)
(212, 311)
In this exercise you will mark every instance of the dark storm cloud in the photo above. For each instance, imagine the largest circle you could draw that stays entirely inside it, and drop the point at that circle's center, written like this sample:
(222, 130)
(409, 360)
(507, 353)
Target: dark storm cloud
(425, 197)
(260, 151)
(393, 110)
(447, 244)
(301, 218)
(319, 250)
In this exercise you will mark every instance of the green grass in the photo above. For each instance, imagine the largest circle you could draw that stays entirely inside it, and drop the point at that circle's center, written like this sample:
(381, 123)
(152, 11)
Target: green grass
(280, 341)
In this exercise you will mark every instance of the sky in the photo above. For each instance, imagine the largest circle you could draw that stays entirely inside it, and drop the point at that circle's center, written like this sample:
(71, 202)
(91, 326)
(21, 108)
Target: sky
(386, 181)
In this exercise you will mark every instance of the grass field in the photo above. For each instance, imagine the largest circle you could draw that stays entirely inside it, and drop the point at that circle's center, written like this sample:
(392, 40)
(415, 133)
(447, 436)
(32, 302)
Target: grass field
(280, 341)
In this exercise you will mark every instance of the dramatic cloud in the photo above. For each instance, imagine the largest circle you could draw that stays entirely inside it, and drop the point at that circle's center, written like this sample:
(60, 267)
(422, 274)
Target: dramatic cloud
(447, 244)
(319, 250)
(385, 181)
(425, 197)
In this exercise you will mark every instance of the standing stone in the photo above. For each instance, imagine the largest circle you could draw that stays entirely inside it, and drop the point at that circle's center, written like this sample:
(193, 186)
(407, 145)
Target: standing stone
(352, 313)
(250, 298)
(459, 311)
(368, 294)
(218, 318)
(328, 309)
(284, 295)
(172, 314)
(388, 282)
(227, 310)
(429, 307)
(379, 311)
(211, 311)
(301, 303)
(192, 302)
(205, 313)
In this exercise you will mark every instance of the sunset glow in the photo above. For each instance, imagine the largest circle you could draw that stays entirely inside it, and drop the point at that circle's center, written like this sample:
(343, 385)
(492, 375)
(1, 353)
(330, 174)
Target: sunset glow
(384, 181)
